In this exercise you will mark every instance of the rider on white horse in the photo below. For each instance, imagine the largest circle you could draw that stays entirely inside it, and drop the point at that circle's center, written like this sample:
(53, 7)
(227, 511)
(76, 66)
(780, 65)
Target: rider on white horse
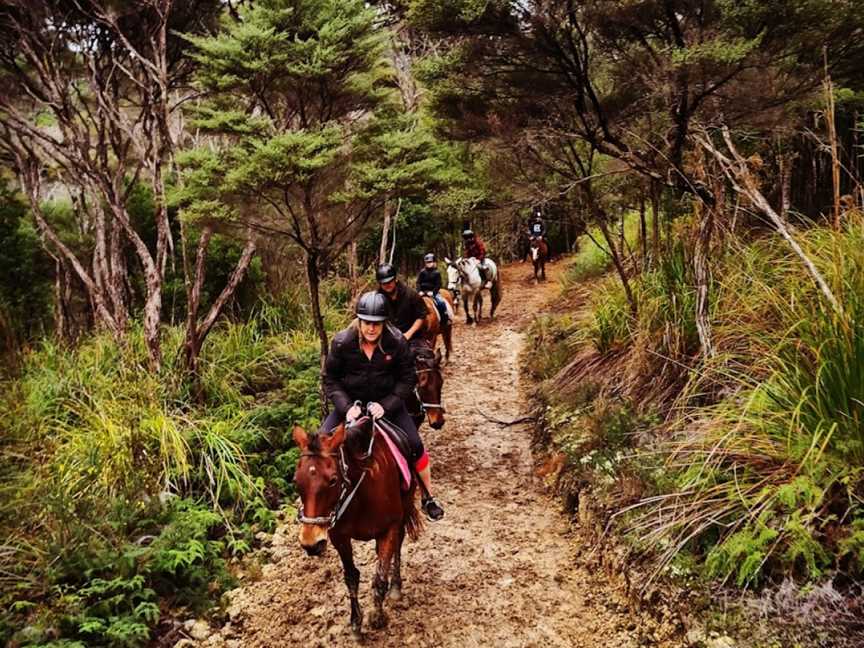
(474, 247)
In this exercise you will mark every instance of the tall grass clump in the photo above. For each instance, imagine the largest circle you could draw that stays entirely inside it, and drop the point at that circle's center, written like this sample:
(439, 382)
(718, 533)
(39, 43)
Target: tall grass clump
(125, 493)
(770, 479)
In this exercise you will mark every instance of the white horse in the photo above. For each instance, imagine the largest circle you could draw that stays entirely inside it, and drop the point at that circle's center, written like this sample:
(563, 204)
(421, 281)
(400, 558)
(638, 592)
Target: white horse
(454, 284)
(472, 285)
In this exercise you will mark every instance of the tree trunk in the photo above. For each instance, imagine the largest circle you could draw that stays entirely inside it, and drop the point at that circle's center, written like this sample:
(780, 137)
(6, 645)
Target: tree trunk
(701, 271)
(643, 232)
(194, 283)
(196, 332)
(832, 139)
(152, 279)
(743, 182)
(119, 277)
(102, 314)
(616, 259)
(352, 270)
(385, 234)
(655, 221)
(314, 283)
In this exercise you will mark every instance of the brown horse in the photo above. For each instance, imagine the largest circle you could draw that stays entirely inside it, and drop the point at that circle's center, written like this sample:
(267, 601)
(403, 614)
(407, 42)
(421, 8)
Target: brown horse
(349, 486)
(539, 254)
(432, 326)
(430, 383)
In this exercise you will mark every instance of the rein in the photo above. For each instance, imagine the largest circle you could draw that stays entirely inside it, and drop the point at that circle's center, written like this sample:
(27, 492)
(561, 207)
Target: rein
(345, 497)
(427, 406)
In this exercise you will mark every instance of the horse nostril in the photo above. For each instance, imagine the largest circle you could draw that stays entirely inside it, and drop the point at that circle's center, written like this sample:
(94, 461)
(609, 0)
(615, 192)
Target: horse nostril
(317, 549)
(437, 425)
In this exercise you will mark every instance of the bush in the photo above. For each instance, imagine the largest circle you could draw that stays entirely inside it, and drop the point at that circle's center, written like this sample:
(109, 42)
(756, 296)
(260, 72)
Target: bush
(123, 496)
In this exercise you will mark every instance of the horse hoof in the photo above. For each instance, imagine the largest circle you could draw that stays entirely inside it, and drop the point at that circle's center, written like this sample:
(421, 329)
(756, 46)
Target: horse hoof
(356, 634)
(377, 620)
(396, 593)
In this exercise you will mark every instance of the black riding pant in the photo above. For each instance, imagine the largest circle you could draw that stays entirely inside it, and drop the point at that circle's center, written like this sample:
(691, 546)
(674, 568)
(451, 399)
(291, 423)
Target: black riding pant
(399, 418)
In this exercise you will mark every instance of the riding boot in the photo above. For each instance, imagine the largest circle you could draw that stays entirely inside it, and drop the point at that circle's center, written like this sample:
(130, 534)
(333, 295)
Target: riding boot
(432, 508)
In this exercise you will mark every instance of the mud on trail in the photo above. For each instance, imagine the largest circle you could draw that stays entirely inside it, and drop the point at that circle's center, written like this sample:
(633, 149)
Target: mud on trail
(500, 569)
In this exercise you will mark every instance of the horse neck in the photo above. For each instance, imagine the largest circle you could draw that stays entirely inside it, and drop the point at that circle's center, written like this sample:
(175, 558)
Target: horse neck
(432, 320)
(471, 279)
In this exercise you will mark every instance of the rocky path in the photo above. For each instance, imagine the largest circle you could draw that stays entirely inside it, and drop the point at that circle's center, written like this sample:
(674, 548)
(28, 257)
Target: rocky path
(500, 570)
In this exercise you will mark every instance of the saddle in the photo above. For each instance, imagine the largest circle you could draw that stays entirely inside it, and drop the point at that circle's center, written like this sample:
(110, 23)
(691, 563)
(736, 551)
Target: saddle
(397, 442)
(392, 436)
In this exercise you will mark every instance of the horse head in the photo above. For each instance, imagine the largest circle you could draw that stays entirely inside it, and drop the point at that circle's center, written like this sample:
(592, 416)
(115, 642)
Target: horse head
(430, 383)
(469, 271)
(319, 478)
(453, 276)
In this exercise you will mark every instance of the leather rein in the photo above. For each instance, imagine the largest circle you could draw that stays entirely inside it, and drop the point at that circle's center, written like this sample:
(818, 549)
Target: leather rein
(348, 491)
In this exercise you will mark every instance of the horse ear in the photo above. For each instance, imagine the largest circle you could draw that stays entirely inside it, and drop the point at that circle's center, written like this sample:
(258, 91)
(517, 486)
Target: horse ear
(301, 438)
(332, 441)
(448, 261)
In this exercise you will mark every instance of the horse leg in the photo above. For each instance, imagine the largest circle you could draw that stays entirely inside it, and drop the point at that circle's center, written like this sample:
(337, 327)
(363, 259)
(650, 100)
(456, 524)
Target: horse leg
(478, 306)
(385, 546)
(447, 334)
(352, 579)
(468, 319)
(396, 581)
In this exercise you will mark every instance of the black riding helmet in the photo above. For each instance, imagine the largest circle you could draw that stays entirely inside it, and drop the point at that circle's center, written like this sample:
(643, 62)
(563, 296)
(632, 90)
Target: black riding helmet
(372, 307)
(429, 258)
(386, 272)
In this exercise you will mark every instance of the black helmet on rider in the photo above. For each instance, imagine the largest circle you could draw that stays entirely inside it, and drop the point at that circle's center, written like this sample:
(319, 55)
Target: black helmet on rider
(372, 307)
(429, 258)
(537, 212)
(468, 234)
(385, 273)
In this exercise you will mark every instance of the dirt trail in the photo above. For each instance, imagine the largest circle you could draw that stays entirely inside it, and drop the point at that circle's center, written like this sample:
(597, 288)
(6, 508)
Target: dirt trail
(499, 570)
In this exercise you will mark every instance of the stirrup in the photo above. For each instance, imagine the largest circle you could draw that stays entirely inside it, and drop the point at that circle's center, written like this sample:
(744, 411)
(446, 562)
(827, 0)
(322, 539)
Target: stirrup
(432, 509)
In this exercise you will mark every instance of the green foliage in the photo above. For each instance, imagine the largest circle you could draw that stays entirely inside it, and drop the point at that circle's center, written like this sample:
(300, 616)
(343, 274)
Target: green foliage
(25, 292)
(743, 554)
(593, 258)
(135, 492)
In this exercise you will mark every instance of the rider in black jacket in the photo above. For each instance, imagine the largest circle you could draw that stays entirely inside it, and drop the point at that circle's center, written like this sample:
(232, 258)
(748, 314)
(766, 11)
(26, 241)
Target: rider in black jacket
(371, 362)
(429, 281)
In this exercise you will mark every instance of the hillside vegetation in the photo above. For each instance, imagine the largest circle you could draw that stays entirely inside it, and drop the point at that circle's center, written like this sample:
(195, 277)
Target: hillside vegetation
(745, 467)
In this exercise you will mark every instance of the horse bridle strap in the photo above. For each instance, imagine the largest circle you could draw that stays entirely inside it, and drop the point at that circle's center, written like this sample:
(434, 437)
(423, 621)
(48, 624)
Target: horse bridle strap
(345, 497)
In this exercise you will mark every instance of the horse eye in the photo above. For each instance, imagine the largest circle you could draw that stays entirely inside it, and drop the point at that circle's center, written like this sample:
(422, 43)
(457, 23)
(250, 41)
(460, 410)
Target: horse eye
(333, 481)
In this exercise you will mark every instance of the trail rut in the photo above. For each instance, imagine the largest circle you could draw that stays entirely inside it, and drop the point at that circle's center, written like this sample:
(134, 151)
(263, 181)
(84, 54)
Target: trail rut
(501, 569)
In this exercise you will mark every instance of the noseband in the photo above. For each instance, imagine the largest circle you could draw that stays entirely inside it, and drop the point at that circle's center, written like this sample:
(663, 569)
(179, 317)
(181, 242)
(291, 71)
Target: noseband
(345, 496)
(427, 406)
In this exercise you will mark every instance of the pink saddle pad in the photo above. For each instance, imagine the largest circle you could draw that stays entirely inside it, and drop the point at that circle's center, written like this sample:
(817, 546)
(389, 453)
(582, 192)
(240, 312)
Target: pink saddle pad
(404, 470)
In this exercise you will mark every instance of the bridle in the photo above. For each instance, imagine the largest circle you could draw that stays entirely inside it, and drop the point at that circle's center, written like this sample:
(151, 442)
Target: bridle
(346, 495)
(427, 406)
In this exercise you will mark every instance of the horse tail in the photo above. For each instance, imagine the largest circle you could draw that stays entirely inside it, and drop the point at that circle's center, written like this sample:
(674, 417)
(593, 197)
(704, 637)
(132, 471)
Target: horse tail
(411, 519)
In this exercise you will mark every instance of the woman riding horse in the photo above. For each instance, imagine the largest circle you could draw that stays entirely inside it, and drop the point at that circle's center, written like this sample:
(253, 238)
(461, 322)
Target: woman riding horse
(371, 362)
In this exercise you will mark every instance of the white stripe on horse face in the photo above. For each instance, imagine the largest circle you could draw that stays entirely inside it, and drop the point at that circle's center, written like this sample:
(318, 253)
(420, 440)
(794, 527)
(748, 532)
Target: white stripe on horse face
(535, 252)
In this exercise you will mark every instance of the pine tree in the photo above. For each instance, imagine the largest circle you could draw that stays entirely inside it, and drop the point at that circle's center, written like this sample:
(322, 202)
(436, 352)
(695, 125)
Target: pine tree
(307, 138)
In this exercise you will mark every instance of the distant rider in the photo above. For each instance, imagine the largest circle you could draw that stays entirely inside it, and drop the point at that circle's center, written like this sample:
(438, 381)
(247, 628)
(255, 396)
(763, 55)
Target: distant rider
(371, 362)
(474, 247)
(536, 226)
(429, 282)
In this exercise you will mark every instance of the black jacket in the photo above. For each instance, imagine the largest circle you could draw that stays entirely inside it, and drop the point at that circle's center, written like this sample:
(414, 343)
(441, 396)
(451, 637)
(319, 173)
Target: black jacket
(407, 308)
(429, 280)
(536, 228)
(388, 378)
